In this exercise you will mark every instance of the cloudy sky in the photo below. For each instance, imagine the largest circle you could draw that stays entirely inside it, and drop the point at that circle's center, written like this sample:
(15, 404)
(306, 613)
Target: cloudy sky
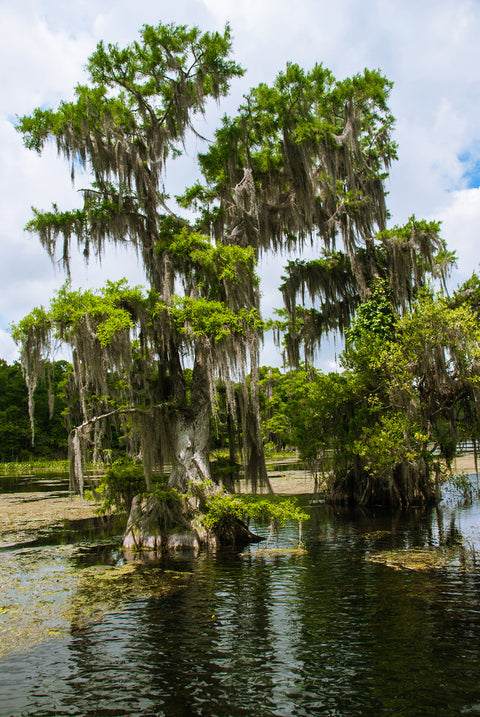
(429, 49)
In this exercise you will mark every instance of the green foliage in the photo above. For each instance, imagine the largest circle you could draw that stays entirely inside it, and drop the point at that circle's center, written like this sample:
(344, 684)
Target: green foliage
(468, 294)
(273, 398)
(392, 438)
(37, 320)
(104, 308)
(115, 309)
(402, 258)
(374, 318)
(161, 78)
(50, 429)
(109, 310)
(411, 387)
(120, 483)
(225, 507)
(306, 108)
(214, 263)
(419, 373)
(312, 411)
(37, 468)
(212, 318)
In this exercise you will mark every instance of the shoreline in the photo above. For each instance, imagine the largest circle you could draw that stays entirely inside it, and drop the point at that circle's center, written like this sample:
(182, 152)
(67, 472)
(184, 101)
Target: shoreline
(21, 516)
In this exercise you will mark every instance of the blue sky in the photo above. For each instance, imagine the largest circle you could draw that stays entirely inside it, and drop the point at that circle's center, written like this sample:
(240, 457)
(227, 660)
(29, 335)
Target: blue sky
(470, 160)
(429, 49)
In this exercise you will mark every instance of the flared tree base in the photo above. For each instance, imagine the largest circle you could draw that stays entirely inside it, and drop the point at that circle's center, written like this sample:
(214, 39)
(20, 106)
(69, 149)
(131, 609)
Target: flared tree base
(408, 484)
(160, 526)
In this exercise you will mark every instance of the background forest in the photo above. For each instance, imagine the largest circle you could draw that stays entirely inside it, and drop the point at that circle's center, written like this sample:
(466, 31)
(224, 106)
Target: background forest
(50, 428)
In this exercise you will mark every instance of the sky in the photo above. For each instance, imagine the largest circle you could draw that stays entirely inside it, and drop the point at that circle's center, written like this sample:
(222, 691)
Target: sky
(429, 49)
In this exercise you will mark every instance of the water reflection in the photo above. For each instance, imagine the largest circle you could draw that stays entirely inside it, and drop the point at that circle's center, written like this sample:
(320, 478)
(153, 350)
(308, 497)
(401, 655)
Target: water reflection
(29, 484)
(324, 633)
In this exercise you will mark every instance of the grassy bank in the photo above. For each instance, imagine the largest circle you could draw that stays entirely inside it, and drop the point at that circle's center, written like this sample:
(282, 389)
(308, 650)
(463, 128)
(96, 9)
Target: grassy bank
(36, 468)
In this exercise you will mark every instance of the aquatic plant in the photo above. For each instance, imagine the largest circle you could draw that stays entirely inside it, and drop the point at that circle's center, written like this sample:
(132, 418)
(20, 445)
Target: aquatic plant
(224, 510)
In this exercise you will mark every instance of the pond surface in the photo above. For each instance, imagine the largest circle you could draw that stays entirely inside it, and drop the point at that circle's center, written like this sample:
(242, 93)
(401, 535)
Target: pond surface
(380, 615)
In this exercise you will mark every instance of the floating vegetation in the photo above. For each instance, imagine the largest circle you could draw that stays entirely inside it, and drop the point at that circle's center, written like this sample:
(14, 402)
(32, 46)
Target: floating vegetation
(378, 534)
(105, 589)
(34, 592)
(415, 558)
(42, 595)
(43, 591)
(275, 552)
(23, 517)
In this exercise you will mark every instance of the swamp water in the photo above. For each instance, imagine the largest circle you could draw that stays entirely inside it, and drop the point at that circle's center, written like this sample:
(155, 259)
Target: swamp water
(379, 615)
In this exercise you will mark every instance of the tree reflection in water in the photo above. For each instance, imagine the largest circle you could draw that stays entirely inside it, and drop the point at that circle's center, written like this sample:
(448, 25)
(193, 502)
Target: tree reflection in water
(326, 632)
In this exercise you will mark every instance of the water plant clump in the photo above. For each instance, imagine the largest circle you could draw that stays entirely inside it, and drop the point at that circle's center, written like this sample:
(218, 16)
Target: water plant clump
(422, 558)
(225, 510)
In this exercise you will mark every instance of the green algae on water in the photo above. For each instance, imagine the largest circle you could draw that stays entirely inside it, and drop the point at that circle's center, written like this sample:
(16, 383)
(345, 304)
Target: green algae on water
(42, 595)
(419, 558)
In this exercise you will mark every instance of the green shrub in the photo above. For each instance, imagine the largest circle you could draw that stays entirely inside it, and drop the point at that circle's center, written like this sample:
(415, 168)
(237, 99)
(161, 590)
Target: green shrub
(225, 508)
(118, 486)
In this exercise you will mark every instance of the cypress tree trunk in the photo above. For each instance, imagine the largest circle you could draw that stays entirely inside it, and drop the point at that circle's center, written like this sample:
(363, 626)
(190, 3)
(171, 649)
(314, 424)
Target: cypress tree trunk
(191, 434)
(171, 520)
(408, 484)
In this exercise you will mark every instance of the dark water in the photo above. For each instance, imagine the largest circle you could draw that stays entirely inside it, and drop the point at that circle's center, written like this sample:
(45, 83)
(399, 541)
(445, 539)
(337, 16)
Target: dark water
(323, 633)
(29, 484)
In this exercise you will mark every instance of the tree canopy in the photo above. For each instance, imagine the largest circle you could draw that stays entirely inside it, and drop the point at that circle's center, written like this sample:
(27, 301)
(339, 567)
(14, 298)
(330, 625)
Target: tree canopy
(130, 347)
(303, 161)
(408, 395)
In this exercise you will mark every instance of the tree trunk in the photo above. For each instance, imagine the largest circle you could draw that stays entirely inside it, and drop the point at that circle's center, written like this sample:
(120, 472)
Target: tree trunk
(153, 523)
(408, 484)
(163, 521)
(190, 450)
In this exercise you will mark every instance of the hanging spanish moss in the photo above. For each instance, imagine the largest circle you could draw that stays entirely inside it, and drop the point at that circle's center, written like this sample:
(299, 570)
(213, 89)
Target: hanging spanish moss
(146, 365)
(303, 162)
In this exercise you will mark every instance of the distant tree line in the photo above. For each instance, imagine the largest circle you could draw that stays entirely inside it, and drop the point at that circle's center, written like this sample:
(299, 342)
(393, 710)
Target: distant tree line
(50, 426)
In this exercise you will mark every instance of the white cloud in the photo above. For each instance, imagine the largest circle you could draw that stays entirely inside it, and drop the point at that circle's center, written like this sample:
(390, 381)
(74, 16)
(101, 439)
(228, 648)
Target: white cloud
(8, 348)
(43, 64)
(461, 229)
